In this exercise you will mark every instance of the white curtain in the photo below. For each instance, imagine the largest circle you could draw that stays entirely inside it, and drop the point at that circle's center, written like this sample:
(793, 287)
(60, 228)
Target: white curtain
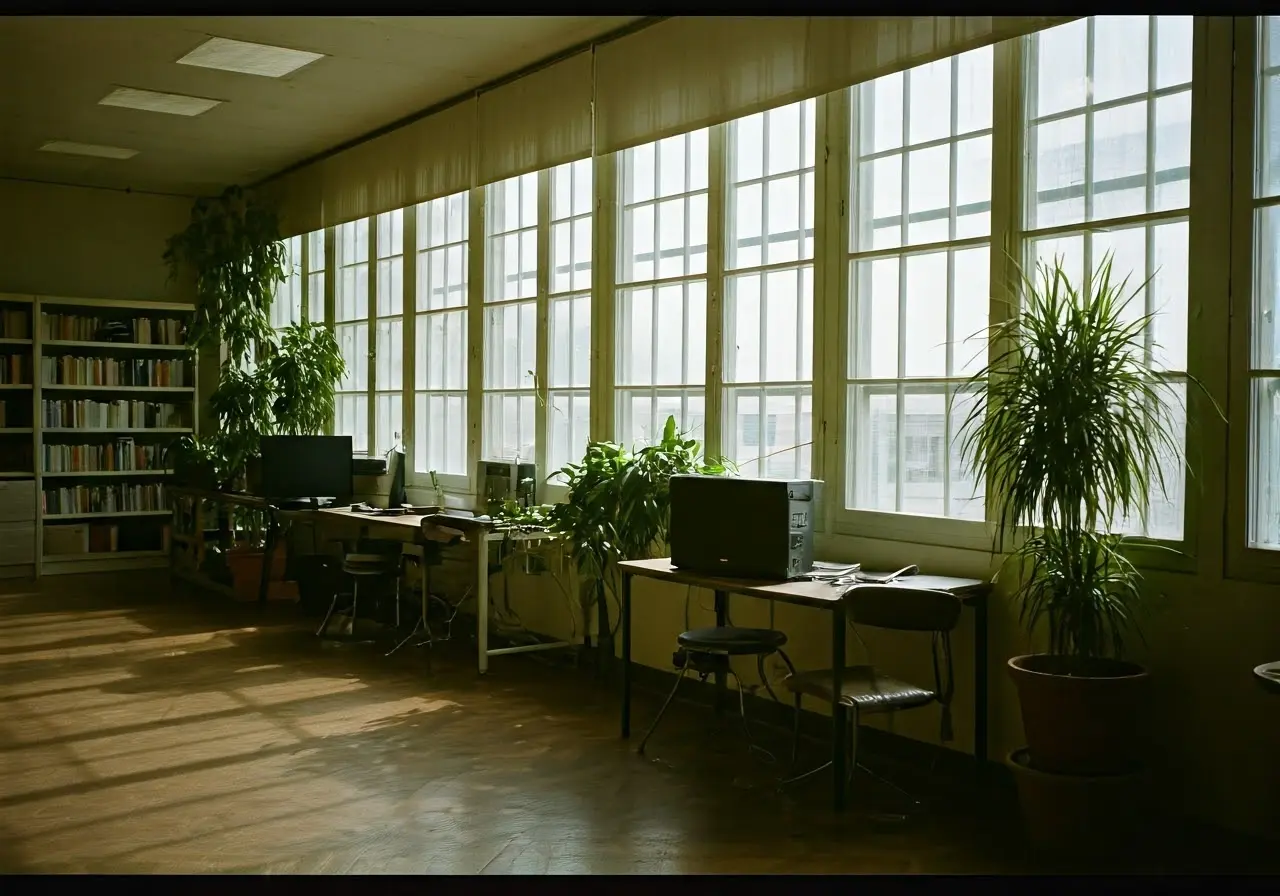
(536, 122)
(689, 72)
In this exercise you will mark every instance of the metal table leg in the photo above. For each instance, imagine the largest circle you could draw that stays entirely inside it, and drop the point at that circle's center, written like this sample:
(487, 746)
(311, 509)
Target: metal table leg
(839, 712)
(722, 616)
(626, 654)
(981, 671)
(482, 602)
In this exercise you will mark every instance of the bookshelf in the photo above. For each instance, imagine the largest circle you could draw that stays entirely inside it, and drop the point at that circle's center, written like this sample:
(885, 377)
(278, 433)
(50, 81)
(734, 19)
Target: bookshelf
(18, 556)
(114, 384)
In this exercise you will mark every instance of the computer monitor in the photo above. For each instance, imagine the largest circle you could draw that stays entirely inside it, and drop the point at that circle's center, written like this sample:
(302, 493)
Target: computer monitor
(307, 467)
(395, 469)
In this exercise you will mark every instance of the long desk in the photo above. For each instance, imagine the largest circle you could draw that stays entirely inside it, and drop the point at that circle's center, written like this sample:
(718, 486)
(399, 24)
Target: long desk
(823, 596)
(482, 533)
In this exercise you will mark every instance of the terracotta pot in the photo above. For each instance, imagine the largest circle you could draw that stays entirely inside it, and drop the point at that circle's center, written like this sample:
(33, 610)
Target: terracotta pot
(246, 573)
(1092, 815)
(1082, 716)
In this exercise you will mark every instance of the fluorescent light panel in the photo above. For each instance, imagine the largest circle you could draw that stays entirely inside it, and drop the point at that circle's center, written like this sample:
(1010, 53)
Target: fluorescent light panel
(88, 149)
(152, 101)
(247, 58)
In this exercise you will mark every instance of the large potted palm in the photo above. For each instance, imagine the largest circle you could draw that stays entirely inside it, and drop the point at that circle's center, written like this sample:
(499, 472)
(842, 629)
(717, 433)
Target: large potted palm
(1074, 432)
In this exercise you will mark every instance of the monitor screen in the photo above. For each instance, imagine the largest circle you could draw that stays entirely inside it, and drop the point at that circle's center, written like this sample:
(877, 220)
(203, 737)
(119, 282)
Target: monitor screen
(296, 467)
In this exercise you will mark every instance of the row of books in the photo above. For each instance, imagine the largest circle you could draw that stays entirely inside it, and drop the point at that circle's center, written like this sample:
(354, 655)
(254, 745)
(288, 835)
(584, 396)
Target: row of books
(83, 413)
(15, 368)
(82, 328)
(120, 455)
(15, 323)
(103, 498)
(77, 371)
(103, 538)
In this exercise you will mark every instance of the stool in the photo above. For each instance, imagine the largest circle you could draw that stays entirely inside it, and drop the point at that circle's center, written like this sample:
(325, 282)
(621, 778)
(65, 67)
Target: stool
(362, 566)
(724, 641)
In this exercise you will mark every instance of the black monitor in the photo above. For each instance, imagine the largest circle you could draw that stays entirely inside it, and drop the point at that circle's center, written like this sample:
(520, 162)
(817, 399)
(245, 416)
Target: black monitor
(305, 467)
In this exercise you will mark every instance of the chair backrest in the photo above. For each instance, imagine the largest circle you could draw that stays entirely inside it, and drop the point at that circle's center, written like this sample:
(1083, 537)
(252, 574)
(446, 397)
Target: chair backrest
(903, 608)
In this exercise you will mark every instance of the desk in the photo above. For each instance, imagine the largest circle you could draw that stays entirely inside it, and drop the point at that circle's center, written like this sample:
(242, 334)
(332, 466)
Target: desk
(822, 596)
(482, 534)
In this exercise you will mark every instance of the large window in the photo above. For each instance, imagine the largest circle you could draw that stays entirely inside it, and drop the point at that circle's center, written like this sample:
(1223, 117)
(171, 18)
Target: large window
(768, 311)
(661, 310)
(1108, 133)
(569, 291)
(510, 318)
(919, 299)
(440, 365)
(388, 345)
(286, 309)
(351, 326)
(1264, 366)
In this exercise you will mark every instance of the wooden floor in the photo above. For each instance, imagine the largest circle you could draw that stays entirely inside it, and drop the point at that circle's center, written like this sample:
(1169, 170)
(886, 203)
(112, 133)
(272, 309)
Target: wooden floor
(143, 731)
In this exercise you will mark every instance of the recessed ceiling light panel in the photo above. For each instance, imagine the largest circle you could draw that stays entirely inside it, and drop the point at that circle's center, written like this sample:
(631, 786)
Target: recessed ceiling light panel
(151, 101)
(88, 149)
(250, 59)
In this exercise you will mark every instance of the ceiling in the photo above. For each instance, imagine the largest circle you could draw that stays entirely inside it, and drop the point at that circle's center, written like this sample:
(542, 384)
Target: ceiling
(375, 71)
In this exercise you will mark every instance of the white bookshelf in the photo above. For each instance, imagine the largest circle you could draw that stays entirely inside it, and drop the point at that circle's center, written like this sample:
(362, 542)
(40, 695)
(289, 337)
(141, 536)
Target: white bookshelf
(71, 530)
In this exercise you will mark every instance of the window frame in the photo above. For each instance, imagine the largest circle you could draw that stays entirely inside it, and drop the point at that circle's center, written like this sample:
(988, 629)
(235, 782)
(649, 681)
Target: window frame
(1241, 560)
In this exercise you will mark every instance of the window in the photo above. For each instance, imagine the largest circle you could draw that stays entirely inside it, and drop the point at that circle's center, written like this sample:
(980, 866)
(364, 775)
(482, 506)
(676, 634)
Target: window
(919, 300)
(313, 264)
(389, 333)
(569, 300)
(661, 310)
(1109, 159)
(510, 318)
(351, 326)
(768, 311)
(440, 368)
(1264, 366)
(287, 307)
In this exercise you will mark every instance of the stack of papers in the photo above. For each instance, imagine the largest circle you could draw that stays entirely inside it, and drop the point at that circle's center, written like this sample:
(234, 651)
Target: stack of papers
(825, 572)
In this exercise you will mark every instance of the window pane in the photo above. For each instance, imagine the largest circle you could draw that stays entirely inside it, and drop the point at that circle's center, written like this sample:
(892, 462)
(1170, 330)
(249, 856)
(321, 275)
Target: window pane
(508, 426)
(440, 440)
(873, 462)
(1057, 68)
(570, 336)
(389, 355)
(351, 418)
(353, 340)
(509, 338)
(389, 425)
(773, 442)
(569, 426)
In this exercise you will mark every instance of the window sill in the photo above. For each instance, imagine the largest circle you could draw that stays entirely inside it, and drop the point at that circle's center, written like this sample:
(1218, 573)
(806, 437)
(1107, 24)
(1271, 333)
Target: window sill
(968, 535)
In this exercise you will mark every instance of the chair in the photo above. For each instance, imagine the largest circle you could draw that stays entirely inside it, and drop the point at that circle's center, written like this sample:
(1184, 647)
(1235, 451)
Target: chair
(865, 689)
(434, 539)
(370, 560)
(707, 650)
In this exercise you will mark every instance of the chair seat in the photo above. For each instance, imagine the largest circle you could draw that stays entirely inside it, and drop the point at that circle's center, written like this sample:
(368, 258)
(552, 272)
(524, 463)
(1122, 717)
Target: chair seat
(370, 564)
(733, 641)
(864, 688)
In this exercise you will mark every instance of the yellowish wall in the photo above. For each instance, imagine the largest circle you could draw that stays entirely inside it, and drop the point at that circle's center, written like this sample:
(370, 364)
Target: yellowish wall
(87, 243)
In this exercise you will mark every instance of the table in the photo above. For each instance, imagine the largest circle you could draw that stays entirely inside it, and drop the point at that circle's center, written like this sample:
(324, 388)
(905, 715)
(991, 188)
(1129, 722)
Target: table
(482, 533)
(823, 596)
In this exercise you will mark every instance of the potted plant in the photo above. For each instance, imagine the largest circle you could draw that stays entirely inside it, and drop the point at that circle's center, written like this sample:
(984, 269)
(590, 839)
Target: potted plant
(1073, 432)
(619, 508)
(266, 383)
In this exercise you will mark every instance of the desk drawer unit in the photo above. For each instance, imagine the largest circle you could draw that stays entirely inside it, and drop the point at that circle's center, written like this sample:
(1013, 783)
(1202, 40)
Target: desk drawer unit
(17, 501)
